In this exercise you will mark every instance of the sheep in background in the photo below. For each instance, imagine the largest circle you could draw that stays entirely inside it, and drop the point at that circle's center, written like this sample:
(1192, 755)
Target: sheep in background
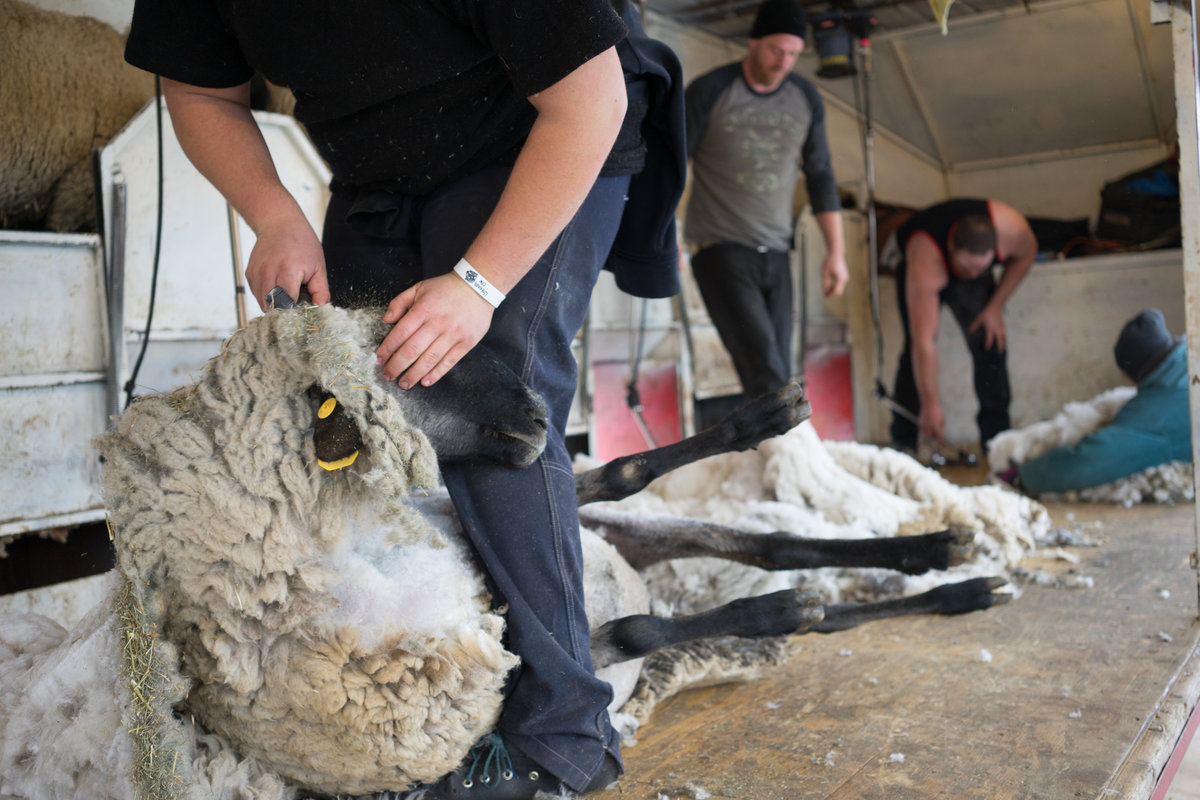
(66, 89)
(1076, 420)
(313, 646)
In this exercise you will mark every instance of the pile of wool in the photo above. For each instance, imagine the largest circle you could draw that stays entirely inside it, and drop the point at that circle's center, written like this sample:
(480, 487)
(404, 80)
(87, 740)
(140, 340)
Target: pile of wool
(1165, 483)
(273, 628)
(88, 715)
(803, 485)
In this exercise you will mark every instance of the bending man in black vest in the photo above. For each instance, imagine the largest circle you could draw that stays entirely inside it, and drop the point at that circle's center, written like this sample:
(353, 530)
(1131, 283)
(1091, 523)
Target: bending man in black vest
(949, 250)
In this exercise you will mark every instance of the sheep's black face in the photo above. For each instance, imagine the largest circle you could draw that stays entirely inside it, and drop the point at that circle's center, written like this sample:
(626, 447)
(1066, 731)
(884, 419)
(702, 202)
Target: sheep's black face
(479, 409)
(336, 438)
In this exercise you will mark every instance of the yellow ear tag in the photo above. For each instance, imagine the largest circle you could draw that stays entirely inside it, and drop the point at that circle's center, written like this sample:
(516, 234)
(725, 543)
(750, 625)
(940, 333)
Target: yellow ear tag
(340, 463)
(327, 408)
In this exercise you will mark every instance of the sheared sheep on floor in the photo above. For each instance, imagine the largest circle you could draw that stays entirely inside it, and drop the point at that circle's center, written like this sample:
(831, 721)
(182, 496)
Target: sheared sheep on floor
(265, 629)
(796, 482)
(1167, 483)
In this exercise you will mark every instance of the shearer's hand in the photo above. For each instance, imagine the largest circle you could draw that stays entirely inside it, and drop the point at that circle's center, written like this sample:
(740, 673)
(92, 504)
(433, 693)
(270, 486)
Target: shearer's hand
(287, 254)
(932, 422)
(436, 322)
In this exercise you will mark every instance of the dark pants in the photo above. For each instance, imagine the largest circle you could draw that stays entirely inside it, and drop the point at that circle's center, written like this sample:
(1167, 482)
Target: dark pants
(748, 295)
(965, 299)
(523, 524)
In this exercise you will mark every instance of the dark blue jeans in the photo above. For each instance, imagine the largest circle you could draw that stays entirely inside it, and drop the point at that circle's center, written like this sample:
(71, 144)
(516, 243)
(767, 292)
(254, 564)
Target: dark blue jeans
(748, 295)
(523, 524)
(965, 299)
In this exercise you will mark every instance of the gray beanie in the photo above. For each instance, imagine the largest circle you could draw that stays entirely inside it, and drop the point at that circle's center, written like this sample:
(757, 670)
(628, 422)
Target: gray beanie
(779, 16)
(1143, 344)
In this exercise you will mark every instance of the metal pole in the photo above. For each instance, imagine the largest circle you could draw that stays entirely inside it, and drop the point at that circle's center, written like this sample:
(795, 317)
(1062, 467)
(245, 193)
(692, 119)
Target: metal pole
(1196, 134)
(239, 286)
(115, 286)
(864, 49)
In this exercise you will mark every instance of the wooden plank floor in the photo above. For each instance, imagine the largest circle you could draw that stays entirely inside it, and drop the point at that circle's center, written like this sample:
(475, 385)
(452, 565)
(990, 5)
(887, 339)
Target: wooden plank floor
(1063, 693)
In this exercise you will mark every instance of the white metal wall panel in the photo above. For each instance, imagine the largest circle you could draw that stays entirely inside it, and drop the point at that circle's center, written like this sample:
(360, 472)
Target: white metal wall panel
(52, 473)
(53, 319)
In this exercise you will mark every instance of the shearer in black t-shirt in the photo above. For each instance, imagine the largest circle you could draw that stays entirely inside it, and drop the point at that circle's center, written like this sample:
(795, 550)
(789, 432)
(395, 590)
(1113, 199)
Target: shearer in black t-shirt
(465, 139)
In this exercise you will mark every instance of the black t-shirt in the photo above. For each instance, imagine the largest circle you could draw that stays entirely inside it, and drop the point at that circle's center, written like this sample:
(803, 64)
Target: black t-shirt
(395, 95)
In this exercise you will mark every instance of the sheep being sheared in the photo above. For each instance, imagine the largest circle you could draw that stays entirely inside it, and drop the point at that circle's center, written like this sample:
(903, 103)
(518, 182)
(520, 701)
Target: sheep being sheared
(281, 626)
(1166, 483)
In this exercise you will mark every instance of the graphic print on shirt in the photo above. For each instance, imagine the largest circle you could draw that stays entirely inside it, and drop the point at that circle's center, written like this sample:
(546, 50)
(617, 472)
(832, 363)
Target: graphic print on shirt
(763, 140)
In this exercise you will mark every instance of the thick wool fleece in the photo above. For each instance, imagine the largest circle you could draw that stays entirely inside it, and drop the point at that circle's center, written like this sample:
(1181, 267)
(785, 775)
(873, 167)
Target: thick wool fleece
(332, 634)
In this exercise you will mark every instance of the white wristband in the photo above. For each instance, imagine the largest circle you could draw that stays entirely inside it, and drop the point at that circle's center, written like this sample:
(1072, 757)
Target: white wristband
(479, 283)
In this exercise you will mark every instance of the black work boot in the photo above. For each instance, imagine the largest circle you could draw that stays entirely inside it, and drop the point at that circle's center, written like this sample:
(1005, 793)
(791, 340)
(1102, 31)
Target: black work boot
(492, 771)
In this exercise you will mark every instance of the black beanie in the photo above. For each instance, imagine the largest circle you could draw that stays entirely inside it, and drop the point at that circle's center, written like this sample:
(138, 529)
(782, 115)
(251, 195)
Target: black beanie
(1143, 344)
(779, 16)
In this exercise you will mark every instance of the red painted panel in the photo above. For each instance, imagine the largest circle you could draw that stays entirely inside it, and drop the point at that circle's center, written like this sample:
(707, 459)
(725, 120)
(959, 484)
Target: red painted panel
(616, 429)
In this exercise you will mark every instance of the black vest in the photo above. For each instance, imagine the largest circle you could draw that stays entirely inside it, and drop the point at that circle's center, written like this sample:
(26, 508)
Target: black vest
(939, 220)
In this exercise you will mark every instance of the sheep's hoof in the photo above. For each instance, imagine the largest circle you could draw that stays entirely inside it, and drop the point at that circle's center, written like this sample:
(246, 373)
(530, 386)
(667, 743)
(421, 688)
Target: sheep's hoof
(771, 414)
(961, 548)
(975, 594)
(937, 551)
(811, 610)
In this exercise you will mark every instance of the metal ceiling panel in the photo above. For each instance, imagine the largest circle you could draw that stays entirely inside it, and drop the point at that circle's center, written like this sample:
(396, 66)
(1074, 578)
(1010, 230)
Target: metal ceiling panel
(1028, 86)
(1009, 80)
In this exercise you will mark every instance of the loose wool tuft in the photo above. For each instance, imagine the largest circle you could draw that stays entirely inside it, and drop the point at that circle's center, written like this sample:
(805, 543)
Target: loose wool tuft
(1166, 483)
(330, 632)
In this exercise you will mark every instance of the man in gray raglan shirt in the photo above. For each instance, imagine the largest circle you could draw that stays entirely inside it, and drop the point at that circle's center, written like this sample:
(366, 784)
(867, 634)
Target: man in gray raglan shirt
(751, 127)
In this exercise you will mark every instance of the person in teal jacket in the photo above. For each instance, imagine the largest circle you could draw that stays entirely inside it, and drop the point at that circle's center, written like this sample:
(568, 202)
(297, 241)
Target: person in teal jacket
(1153, 428)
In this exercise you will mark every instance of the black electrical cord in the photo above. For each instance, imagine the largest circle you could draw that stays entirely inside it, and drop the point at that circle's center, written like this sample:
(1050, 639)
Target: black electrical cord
(632, 397)
(137, 365)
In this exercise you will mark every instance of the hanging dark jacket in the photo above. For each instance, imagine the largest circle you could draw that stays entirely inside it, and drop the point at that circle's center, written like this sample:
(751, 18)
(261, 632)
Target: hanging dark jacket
(644, 259)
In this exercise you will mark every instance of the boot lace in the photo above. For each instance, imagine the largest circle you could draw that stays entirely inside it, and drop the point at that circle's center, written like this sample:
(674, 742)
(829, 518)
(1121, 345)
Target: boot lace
(491, 760)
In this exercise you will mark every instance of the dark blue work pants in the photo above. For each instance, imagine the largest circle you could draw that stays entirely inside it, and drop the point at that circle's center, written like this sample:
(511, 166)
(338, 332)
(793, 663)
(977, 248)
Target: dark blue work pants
(523, 524)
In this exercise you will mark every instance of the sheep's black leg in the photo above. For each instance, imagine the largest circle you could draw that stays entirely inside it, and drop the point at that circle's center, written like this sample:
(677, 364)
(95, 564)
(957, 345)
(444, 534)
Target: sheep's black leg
(951, 598)
(781, 613)
(769, 415)
(776, 614)
(643, 541)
